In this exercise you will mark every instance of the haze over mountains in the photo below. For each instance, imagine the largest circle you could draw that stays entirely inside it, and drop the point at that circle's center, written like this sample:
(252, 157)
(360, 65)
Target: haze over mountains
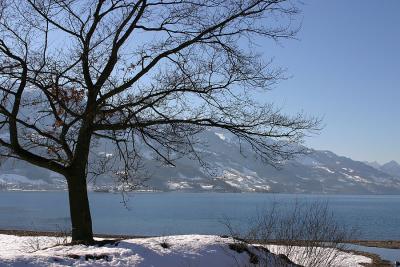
(230, 171)
(392, 167)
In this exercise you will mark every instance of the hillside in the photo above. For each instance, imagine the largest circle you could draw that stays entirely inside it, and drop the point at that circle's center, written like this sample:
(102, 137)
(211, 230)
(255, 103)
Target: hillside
(229, 169)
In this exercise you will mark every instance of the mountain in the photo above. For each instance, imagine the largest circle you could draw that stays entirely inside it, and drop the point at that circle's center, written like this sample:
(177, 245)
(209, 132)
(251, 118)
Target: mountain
(392, 168)
(316, 172)
(373, 164)
(17, 175)
(231, 171)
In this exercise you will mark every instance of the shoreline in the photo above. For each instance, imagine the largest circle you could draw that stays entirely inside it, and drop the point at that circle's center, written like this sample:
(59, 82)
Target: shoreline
(58, 234)
(390, 244)
(339, 194)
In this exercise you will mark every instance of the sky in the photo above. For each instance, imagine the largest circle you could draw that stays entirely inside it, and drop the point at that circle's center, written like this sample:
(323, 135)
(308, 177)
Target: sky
(345, 68)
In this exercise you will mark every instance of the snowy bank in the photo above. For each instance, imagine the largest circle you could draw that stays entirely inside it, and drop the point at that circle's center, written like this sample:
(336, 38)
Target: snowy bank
(174, 251)
(319, 257)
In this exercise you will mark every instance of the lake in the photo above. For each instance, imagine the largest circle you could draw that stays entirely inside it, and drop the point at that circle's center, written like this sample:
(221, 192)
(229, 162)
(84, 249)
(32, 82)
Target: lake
(377, 216)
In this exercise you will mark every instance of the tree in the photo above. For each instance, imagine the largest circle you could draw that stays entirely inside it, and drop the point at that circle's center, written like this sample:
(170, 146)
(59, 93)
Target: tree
(151, 71)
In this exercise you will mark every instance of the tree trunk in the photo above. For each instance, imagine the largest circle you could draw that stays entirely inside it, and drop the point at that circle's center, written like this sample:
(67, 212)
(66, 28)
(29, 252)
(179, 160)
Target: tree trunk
(79, 208)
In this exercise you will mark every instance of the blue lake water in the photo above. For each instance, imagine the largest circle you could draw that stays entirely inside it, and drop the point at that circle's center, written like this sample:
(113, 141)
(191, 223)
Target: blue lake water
(377, 217)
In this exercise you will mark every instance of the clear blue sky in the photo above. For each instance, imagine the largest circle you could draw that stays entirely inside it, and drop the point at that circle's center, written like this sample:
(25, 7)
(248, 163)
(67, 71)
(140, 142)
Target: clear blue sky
(346, 68)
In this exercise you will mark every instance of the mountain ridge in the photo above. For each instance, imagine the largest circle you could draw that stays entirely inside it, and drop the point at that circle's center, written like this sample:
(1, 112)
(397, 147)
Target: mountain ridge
(318, 171)
(391, 167)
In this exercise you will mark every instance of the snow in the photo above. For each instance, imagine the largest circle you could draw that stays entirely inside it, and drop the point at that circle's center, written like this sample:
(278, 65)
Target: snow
(355, 178)
(324, 168)
(183, 250)
(337, 258)
(221, 136)
(246, 180)
(105, 154)
(263, 187)
(206, 186)
(178, 185)
(348, 169)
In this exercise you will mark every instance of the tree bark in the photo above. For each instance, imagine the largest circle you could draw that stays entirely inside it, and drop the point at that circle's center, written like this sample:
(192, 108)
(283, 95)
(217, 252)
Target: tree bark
(79, 208)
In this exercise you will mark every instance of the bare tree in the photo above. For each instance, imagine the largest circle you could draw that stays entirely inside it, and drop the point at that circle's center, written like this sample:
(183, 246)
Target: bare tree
(73, 72)
(307, 233)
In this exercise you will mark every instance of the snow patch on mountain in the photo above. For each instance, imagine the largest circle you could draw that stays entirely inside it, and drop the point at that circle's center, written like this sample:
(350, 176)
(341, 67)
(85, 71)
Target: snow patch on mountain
(324, 168)
(221, 136)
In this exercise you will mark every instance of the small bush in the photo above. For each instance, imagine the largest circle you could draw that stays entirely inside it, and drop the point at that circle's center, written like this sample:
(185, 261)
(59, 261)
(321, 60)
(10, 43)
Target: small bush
(165, 245)
(309, 225)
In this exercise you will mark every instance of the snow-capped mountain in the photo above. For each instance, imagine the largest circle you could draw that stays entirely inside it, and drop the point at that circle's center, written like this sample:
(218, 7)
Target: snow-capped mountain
(316, 172)
(231, 171)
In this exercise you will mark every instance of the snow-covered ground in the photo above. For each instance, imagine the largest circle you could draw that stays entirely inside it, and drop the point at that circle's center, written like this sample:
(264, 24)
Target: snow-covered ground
(182, 250)
(319, 257)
